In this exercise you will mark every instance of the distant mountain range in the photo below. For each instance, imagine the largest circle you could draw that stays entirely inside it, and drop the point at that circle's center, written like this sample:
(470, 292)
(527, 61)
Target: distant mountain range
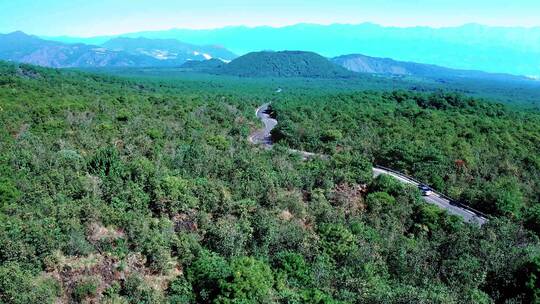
(386, 66)
(513, 50)
(147, 52)
(117, 52)
(311, 65)
(168, 49)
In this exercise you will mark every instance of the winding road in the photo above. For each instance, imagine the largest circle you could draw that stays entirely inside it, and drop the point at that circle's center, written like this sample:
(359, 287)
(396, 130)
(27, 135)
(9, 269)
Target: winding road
(263, 137)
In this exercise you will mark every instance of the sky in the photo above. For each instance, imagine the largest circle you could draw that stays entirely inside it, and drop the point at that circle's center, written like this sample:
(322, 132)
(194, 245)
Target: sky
(85, 18)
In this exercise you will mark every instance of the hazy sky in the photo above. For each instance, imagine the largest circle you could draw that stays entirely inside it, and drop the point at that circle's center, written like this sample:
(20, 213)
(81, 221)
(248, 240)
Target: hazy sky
(99, 17)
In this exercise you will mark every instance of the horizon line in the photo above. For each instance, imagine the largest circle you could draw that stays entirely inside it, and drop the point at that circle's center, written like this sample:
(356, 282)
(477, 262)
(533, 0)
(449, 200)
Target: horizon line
(280, 27)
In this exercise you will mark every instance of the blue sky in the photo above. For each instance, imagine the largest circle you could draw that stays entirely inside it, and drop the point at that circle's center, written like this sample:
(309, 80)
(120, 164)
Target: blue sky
(102, 17)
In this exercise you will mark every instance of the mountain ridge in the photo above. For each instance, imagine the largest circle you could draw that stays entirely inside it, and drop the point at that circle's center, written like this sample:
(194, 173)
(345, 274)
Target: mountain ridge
(387, 66)
(470, 46)
(20, 47)
(147, 52)
(161, 48)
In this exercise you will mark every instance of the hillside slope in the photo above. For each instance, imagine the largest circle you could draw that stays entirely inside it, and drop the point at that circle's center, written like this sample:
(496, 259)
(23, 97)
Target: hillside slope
(386, 66)
(284, 64)
(168, 49)
(19, 47)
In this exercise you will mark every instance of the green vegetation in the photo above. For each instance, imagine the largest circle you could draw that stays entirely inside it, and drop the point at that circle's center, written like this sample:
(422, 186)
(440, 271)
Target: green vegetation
(284, 64)
(118, 190)
(484, 154)
(520, 94)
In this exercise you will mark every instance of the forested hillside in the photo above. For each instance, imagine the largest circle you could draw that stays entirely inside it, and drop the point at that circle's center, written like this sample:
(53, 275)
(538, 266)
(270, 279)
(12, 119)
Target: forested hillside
(284, 64)
(147, 191)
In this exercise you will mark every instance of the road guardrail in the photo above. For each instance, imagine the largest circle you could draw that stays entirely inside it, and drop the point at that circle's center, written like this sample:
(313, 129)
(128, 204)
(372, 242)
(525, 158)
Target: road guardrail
(451, 200)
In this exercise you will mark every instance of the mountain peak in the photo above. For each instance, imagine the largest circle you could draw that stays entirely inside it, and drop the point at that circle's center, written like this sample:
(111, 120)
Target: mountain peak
(19, 38)
(285, 64)
(18, 33)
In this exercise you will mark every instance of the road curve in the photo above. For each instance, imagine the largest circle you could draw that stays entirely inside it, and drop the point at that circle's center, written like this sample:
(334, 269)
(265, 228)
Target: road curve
(263, 137)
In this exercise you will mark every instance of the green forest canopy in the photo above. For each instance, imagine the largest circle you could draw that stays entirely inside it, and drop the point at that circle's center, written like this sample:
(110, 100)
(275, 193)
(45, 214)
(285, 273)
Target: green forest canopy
(147, 191)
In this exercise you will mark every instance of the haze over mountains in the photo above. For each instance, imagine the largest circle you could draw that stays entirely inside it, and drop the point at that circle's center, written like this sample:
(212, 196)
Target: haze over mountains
(385, 66)
(158, 52)
(168, 49)
(514, 50)
(117, 52)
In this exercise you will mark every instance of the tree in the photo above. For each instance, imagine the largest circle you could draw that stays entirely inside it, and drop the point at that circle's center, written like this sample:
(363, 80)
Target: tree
(106, 162)
(207, 274)
(532, 218)
(251, 281)
(229, 236)
(337, 241)
(8, 193)
(293, 268)
(172, 195)
(532, 283)
(380, 201)
(430, 216)
(180, 291)
(501, 197)
(388, 184)
(351, 168)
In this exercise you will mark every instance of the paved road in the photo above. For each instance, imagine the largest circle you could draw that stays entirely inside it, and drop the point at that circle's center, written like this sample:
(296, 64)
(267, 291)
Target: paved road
(436, 199)
(263, 137)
